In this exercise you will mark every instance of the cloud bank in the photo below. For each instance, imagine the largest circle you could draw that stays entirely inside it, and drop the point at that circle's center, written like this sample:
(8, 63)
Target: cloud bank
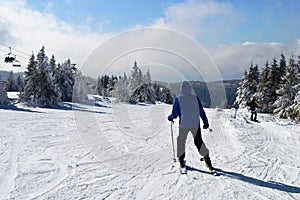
(232, 60)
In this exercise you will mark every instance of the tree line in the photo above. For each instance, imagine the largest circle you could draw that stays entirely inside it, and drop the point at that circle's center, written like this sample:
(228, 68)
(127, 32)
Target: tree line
(133, 88)
(277, 87)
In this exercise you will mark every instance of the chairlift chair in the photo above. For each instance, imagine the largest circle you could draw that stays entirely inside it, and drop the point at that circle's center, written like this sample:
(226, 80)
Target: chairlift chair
(11, 58)
(16, 63)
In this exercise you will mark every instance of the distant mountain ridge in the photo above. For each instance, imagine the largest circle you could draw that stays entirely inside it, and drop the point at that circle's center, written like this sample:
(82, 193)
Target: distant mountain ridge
(205, 95)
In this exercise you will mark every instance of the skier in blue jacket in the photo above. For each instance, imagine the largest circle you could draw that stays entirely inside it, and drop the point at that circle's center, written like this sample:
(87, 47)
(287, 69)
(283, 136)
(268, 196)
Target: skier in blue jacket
(188, 107)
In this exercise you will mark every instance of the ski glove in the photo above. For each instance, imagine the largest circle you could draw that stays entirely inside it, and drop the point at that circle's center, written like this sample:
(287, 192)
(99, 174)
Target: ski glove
(170, 119)
(205, 126)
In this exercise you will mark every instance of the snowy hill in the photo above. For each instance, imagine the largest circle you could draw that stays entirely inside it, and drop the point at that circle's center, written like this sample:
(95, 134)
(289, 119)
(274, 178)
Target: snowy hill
(121, 151)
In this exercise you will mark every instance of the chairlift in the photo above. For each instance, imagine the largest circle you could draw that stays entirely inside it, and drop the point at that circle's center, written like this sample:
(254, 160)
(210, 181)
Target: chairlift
(16, 63)
(11, 58)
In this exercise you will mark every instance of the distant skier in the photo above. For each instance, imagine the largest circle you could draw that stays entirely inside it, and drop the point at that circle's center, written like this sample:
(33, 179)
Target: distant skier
(236, 107)
(253, 105)
(188, 107)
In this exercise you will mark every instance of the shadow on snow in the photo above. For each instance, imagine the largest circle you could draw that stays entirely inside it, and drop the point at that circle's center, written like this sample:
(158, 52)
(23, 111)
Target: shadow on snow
(15, 108)
(73, 107)
(66, 106)
(253, 181)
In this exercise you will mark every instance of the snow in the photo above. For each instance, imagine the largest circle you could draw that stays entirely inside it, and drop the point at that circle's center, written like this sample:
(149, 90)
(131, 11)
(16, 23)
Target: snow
(123, 151)
(13, 95)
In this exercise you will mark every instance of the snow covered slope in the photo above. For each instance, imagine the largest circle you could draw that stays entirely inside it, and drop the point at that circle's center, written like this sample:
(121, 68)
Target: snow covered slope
(120, 151)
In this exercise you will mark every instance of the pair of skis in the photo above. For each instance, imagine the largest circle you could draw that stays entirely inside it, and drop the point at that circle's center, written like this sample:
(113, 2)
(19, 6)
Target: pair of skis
(213, 172)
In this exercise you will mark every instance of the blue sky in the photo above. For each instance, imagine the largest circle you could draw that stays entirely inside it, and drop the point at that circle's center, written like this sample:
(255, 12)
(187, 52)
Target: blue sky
(115, 14)
(234, 32)
(260, 20)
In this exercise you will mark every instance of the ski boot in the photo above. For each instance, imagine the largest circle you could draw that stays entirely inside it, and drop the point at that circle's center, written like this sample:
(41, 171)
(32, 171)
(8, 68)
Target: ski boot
(182, 167)
(209, 166)
(208, 163)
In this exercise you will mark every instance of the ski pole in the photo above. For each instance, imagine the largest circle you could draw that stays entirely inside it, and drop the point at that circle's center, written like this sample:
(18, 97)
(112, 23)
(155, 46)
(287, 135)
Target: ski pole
(174, 159)
(210, 130)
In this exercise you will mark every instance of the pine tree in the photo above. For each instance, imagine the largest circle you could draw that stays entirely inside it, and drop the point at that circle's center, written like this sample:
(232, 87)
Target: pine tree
(140, 77)
(294, 112)
(253, 78)
(99, 86)
(65, 80)
(45, 93)
(282, 69)
(242, 91)
(30, 80)
(111, 84)
(147, 77)
(3, 94)
(52, 64)
(11, 83)
(287, 92)
(273, 84)
(163, 94)
(248, 86)
(135, 78)
(167, 96)
(54, 76)
(104, 85)
(79, 90)
(264, 93)
(121, 89)
(20, 84)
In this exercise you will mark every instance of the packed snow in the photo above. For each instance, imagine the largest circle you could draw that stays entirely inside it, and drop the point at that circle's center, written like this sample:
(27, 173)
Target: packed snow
(106, 150)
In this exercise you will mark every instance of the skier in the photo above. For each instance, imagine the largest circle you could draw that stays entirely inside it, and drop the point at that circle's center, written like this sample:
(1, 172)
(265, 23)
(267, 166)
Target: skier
(236, 107)
(253, 105)
(188, 107)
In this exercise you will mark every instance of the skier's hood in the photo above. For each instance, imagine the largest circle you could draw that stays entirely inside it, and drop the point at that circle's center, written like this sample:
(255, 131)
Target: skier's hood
(185, 88)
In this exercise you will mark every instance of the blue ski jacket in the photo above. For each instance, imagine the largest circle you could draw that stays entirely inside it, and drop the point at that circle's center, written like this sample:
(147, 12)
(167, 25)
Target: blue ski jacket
(188, 107)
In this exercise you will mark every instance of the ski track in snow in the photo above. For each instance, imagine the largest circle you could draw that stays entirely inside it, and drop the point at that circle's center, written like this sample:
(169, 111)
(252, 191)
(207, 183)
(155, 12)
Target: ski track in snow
(121, 151)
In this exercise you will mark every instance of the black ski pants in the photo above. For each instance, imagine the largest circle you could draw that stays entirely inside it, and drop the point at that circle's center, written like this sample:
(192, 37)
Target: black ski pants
(181, 140)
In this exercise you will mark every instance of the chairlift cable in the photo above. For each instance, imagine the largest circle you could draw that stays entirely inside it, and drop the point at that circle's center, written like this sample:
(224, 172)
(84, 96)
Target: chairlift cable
(22, 52)
(3, 51)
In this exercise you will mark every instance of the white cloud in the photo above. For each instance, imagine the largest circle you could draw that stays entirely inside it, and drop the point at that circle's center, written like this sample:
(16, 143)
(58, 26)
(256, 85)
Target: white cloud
(204, 20)
(264, 43)
(28, 30)
(232, 60)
